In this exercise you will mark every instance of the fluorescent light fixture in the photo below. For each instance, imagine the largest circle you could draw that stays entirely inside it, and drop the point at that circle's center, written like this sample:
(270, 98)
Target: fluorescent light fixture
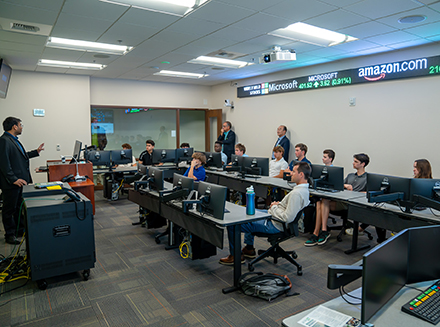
(69, 64)
(60, 43)
(220, 62)
(180, 74)
(170, 7)
(312, 34)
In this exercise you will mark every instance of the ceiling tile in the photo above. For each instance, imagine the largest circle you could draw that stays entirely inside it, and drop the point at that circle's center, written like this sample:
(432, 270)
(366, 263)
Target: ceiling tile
(142, 17)
(252, 4)
(221, 13)
(61, 54)
(393, 37)
(68, 21)
(23, 38)
(393, 20)
(28, 13)
(427, 30)
(337, 19)
(235, 34)
(408, 44)
(299, 10)
(255, 23)
(378, 8)
(129, 34)
(76, 34)
(365, 30)
(94, 9)
(195, 26)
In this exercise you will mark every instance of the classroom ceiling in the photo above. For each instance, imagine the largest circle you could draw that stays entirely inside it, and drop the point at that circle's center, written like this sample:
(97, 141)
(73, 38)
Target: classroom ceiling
(234, 27)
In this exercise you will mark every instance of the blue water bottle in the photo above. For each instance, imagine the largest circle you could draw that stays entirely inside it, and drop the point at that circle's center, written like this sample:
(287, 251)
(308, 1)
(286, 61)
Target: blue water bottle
(250, 201)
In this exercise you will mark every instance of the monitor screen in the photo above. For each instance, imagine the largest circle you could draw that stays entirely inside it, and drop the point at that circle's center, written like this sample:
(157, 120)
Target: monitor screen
(5, 76)
(99, 158)
(392, 184)
(77, 150)
(384, 273)
(156, 178)
(184, 154)
(237, 160)
(183, 182)
(121, 157)
(256, 166)
(164, 155)
(213, 159)
(327, 177)
(428, 188)
(213, 199)
(142, 169)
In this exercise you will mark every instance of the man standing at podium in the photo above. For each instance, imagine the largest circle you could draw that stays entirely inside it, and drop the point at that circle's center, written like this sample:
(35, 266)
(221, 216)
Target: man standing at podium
(14, 174)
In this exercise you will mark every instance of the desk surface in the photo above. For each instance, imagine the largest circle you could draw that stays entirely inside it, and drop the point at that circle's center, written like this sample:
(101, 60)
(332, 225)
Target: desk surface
(389, 315)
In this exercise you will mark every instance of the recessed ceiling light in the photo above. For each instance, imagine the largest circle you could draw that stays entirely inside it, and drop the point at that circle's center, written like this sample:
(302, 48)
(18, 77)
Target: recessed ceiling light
(79, 45)
(220, 62)
(312, 34)
(70, 64)
(180, 74)
(412, 19)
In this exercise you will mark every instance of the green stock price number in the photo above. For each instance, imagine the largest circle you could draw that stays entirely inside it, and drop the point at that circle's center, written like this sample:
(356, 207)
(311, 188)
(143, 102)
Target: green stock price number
(434, 69)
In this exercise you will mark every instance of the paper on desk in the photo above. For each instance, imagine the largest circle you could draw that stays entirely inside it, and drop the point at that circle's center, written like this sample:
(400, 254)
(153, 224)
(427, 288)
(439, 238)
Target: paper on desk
(324, 317)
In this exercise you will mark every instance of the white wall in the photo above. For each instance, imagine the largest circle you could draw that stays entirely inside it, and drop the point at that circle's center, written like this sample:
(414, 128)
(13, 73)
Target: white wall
(394, 122)
(66, 99)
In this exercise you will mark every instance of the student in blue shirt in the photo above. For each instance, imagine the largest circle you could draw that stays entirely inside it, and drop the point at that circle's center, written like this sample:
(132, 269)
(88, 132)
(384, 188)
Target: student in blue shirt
(196, 170)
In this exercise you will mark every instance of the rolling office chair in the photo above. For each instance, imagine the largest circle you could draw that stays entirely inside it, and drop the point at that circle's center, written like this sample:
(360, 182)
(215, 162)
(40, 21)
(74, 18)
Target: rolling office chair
(275, 251)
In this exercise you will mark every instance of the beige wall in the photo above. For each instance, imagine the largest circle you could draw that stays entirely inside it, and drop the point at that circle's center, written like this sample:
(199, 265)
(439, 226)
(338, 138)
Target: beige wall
(66, 99)
(394, 122)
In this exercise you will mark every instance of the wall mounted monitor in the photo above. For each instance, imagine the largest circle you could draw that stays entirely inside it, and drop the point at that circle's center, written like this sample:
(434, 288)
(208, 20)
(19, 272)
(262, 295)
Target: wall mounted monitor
(5, 76)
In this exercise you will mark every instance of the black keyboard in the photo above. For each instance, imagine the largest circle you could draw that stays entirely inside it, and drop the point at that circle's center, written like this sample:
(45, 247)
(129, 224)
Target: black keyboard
(426, 305)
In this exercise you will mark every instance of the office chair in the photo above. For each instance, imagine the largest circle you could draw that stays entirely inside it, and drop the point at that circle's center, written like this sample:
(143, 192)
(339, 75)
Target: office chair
(275, 251)
(343, 215)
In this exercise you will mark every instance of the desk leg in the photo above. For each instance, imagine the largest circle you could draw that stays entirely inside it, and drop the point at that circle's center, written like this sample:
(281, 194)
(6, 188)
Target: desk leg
(171, 237)
(354, 240)
(237, 260)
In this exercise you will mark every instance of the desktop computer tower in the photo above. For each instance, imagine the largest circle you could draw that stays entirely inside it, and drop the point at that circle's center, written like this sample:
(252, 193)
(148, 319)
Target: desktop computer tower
(59, 236)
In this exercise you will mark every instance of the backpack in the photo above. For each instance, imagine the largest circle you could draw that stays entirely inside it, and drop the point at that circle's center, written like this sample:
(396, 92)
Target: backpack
(267, 286)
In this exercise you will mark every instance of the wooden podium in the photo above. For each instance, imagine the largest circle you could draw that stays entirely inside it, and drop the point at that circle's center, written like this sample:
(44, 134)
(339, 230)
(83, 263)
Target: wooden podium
(58, 170)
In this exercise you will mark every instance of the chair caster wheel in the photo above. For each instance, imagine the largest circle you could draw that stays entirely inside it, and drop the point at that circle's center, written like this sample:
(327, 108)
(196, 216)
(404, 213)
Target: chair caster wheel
(251, 268)
(86, 274)
(42, 284)
(157, 240)
(339, 239)
(299, 272)
(294, 256)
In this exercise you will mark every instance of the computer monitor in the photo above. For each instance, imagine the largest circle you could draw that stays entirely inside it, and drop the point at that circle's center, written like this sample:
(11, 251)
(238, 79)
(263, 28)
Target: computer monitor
(121, 157)
(184, 154)
(164, 155)
(155, 178)
(213, 159)
(384, 273)
(77, 150)
(256, 166)
(213, 198)
(183, 182)
(142, 169)
(425, 192)
(5, 77)
(385, 188)
(99, 158)
(328, 177)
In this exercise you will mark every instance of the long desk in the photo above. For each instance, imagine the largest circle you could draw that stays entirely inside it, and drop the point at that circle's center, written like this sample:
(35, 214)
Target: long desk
(208, 228)
(388, 315)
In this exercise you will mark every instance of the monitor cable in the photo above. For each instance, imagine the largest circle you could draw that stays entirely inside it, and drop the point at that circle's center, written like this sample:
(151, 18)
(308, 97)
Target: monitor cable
(342, 292)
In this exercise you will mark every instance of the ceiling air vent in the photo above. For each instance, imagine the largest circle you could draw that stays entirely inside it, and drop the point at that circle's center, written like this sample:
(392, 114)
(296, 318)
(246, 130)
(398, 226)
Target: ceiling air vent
(225, 54)
(24, 28)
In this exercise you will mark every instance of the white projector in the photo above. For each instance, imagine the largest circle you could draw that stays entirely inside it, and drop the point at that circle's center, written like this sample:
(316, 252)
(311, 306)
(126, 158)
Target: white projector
(278, 56)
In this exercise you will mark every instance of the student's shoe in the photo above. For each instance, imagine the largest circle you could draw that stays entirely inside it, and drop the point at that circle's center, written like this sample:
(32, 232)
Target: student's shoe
(312, 241)
(251, 254)
(349, 231)
(229, 260)
(11, 239)
(323, 237)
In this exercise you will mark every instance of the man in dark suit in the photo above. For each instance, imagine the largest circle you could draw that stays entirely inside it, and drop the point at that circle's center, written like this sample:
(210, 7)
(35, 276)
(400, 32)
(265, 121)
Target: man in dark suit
(14, 173)
(283, 141)
(227, 137)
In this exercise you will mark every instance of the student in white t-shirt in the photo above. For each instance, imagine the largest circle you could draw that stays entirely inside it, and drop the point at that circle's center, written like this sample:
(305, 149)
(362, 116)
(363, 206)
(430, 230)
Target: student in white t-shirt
(277, 164)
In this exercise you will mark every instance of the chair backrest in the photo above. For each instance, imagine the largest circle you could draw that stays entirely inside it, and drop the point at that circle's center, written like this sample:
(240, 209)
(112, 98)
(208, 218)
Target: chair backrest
(292, 228)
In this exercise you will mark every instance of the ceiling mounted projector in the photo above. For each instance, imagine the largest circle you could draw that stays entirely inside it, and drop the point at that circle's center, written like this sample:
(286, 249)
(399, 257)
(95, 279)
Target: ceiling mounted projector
(278, 55)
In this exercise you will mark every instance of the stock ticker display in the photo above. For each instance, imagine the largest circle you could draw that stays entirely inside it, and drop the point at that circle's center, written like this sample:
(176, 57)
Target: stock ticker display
(368, 74)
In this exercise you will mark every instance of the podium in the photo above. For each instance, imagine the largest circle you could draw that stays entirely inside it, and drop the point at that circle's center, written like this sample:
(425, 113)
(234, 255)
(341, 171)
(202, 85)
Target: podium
(58, 170)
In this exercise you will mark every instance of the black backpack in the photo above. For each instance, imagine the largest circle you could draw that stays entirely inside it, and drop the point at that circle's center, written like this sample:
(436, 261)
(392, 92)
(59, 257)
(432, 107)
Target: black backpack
(267, 286)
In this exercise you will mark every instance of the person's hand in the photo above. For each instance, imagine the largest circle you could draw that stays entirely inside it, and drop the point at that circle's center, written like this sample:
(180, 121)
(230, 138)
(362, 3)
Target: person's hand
(274, 203)
(40, 148)
(193, 163)
(222, 131)
(20, 182)
(348, 187)
(160, 164)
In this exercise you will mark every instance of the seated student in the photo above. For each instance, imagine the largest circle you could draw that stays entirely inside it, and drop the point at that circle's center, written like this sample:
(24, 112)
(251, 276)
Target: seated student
(286, 211)
(240, 150)
(300, 153)
(127, 146)
(146, 157)
(218, 148)
(196, 171)
(184, 146)
(277, 164)
(422, 169)
(322, 206)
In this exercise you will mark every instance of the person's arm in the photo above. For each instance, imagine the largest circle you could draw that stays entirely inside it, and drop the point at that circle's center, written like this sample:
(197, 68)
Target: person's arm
(191, 170)
(5, 165)
(293, 206)
(230, 140)
(36, 152)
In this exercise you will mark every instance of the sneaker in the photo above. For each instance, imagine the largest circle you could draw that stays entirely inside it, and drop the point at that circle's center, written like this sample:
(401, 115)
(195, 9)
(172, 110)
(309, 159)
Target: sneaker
(11, 239)
(349, 231)
(229, 260)
(323, 237)
(312, 241)
(251, 254)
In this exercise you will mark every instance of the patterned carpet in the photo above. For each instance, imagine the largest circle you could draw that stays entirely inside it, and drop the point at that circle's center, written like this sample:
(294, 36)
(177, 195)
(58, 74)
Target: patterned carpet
(136, 282)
